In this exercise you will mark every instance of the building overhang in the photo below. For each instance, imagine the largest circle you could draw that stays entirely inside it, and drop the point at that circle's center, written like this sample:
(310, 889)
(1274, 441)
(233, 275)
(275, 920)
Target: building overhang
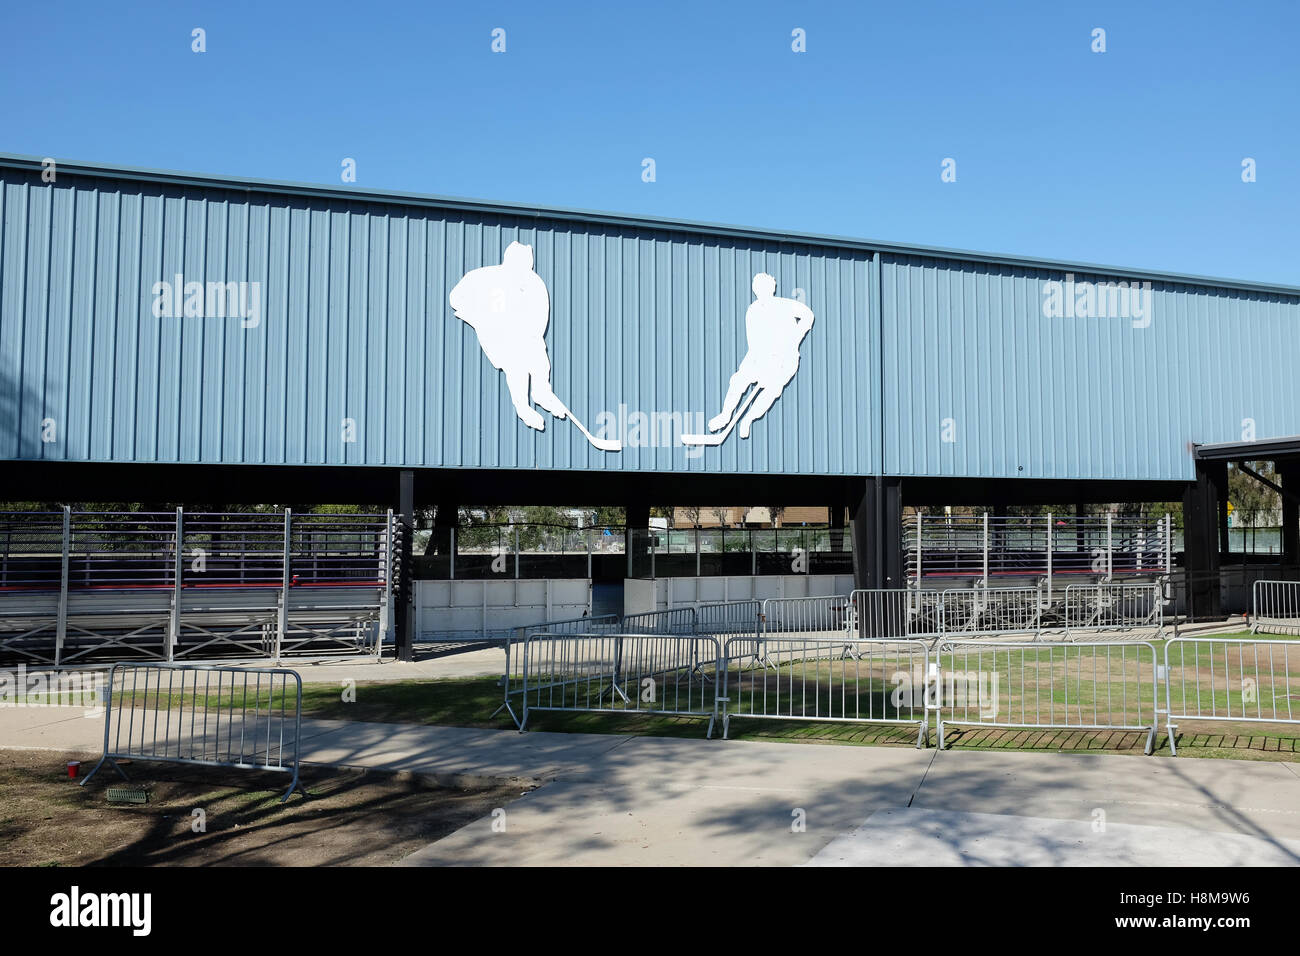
(1266, 449)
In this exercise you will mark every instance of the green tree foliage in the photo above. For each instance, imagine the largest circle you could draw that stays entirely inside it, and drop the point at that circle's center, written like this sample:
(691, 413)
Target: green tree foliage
(1253, 500)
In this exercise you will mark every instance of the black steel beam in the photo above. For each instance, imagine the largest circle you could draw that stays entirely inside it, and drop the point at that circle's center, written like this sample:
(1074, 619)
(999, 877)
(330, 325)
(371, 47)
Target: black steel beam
(332, 484)
(404, 592)
(1289, 472)
(1202, 505)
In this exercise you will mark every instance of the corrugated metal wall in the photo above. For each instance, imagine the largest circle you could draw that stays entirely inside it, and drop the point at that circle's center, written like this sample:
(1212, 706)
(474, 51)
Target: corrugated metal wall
(355, 325)
(1075, 397)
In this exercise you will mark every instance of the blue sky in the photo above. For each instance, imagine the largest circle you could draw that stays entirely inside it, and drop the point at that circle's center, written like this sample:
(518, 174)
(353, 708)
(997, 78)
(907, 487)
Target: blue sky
(1129, 157)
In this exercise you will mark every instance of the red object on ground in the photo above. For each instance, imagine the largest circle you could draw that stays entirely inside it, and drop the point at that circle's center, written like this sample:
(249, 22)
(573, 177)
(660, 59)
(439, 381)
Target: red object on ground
(73, 767)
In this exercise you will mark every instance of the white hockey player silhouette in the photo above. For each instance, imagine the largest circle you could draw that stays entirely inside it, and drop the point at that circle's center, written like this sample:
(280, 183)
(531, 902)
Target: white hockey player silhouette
(509, 307)
(774, 329)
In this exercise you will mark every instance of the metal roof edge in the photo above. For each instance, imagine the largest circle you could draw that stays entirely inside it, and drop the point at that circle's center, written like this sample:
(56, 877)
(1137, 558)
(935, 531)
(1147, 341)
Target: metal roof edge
(428, 200)
(1246, 450)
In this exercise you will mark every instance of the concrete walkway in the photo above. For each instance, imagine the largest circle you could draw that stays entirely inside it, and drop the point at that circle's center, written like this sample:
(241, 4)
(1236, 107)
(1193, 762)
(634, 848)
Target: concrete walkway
(618, 800)
(919, 837)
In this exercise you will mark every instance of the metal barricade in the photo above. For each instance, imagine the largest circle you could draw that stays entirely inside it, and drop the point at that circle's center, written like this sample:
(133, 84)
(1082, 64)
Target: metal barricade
(880, 613)
(512, 677)
(1237, 680)
(620, 674)
(678, 620)
(813, 616)
(1082, 686)
(1275, 607)
(992, 611)
(729, 617)
(741, 620)
(828, 679)
(249, 718)
(1113, 607)
(825, 616)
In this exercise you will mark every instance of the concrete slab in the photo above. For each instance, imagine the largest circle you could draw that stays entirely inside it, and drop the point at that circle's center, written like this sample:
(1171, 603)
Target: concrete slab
(659, 803)
(505, 755)
(51, 728)
(1231, 796)
(920, 837)
(617, 799)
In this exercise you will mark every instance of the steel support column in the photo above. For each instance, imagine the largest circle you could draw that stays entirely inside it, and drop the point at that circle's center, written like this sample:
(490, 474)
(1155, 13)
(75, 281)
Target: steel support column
(1202, 504)
(403, 591)
(877, 529)
(1289, 472)
(637, 518)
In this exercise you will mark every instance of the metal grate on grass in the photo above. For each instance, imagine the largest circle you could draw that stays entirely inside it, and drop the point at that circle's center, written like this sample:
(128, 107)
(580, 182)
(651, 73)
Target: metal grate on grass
(135, 795)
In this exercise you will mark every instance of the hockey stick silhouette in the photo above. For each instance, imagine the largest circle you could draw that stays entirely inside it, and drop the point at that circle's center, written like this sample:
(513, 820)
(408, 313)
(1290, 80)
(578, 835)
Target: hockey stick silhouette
(604, 444)
(717, 438)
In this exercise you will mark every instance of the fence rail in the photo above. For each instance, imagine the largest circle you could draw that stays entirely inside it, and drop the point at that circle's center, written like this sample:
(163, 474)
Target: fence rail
(1237, 680)
(1275, 607)
(203, 715)
(1114, 607)
(825, 680)
(992, 611)
(169, 585)
(1084, 686)
(806, 615)
(678, 620)
(621, 673)
(809, 661)
(987, 546)
(512, 678)
(729, 617)
(895, 613)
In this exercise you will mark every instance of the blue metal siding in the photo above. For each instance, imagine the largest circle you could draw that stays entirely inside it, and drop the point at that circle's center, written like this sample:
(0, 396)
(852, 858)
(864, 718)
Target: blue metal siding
(355, 324)
(1040, 397)
(647, 315)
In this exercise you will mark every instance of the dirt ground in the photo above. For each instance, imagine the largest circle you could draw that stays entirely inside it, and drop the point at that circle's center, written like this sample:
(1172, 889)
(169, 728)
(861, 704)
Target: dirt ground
(352, 818)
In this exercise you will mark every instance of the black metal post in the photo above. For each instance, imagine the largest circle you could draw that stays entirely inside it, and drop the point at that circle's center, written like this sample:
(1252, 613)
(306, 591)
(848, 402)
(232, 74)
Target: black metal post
(403, 587)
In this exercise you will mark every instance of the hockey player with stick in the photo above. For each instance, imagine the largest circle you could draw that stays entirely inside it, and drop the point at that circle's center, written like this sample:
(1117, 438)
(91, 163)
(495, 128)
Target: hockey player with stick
(509, 307)
(774, 329)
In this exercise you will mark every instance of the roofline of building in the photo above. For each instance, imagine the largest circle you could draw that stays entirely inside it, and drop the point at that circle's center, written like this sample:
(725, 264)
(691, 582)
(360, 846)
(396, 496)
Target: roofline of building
(1264, 448)
(429, 201)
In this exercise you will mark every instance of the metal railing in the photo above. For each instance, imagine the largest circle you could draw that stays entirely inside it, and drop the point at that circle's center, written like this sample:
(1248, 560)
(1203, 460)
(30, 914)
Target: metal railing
(1083, 686)
(825, 679)
(525, 549)
(621, 673)
(678, 620)
(883, 613)
(807, 615)
(705, 620)
(519, 550)
(729, 617)
(799, 667)
(986, 546)
(1235, 680)
(169, 585)
(953, 613)
(512, 677)
(1275, 607)
(247, 718)
(740, 620)
(1114, 607)
(992, 611)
